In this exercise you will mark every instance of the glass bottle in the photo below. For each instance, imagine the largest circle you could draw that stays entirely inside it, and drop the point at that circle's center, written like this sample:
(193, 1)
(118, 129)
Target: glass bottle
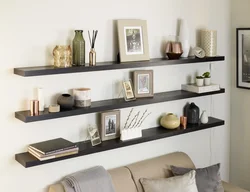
(78, 49)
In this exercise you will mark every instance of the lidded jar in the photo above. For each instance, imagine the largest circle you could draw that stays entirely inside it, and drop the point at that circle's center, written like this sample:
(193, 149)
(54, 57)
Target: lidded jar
(78, 49)
(62, 56)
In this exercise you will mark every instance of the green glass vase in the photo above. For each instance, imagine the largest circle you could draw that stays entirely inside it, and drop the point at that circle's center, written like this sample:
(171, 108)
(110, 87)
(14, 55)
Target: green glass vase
(78, 49)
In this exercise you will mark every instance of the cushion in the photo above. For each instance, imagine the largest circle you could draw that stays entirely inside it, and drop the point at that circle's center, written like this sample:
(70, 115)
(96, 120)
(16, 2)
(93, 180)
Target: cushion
(207, 179)
(185, 183)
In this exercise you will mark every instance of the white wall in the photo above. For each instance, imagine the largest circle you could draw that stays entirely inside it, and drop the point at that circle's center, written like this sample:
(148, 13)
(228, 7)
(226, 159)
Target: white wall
(240, 133)
(30, 30)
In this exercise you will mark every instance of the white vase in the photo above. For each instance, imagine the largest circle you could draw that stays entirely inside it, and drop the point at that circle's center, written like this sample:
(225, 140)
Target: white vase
(204, 117)
(184, 38)
(199, 82)
(40, 98)
(207, 81)
(209, 42)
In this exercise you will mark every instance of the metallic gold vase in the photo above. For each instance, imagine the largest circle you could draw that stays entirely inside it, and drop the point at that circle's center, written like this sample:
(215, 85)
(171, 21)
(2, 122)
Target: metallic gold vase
(62, 56)
(92, 57)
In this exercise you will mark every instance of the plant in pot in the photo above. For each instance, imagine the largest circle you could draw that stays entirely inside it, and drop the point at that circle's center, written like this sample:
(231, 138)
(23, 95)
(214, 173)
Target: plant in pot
(199, 81)
(207, 78)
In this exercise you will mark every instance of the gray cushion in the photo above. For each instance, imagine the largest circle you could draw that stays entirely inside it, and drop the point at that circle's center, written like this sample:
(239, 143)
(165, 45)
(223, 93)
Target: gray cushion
(207, 179)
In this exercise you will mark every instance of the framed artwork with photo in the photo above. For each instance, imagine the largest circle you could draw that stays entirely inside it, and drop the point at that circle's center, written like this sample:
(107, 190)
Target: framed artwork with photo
(143, 83)
(128, 90)
(243, 58)
(133, 40)
(110, 125)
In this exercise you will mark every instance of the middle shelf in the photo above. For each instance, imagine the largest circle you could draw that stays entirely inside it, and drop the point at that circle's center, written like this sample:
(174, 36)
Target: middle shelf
(105, 105)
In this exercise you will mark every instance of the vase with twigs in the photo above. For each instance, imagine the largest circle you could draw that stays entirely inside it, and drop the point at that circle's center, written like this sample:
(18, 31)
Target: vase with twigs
(92, 53)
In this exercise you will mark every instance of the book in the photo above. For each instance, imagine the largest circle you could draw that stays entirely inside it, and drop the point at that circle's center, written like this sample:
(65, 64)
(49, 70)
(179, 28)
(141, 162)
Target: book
(52, 146)
(52, 156)
(203, 89)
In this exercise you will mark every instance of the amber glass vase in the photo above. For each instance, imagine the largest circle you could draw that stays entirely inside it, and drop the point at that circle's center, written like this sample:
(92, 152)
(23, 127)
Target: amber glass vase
(62, 56)
(78, 49)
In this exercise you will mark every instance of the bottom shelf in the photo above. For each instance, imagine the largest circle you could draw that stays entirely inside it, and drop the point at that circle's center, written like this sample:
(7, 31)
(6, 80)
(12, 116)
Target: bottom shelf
(85, 148)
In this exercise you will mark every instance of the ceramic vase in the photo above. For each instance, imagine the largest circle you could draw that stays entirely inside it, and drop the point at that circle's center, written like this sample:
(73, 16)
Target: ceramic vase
(66, 101)
(40, 98)
(204, 117)
(207, 81)
(184, 38)
(209, 42)
(170, 121)
(193, 114)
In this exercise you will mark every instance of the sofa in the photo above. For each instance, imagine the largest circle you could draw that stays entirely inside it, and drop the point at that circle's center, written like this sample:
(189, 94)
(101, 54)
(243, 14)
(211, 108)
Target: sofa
(126, 179)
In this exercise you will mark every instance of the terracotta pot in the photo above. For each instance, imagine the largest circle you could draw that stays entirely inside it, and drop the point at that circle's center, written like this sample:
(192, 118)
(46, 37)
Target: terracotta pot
(170, 121)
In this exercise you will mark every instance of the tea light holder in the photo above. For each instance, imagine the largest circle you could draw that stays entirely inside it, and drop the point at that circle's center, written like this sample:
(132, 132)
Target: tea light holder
(82, 97)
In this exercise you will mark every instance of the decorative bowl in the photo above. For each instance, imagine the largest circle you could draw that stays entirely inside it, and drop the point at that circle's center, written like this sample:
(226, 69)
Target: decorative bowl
(173, 56)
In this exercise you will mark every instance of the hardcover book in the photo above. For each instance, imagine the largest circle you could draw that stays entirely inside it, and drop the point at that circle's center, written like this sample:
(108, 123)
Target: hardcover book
(52, 146)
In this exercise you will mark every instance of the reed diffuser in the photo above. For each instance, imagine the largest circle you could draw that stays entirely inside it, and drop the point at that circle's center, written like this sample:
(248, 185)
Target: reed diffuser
(92, 53)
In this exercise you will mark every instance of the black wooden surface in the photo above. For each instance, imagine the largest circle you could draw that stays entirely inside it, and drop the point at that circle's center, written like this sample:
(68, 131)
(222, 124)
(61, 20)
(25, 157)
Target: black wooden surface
(105, 105)
(51, 70)
(85, 148)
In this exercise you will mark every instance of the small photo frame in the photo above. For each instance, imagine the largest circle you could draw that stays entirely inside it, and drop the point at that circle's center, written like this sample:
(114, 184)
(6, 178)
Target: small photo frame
(110, 125)
(128, 90)
(243, 58)
(143, 83)
(133, 40)
(94, 136)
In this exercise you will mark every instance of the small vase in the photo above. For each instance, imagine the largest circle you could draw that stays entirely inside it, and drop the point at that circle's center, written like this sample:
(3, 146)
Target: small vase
(170, 121)
(184, 38)
(204, 117)
(193, 114)
(66, 101)
(62, 56)
(199, 82)
(207, 81)
(78, 49)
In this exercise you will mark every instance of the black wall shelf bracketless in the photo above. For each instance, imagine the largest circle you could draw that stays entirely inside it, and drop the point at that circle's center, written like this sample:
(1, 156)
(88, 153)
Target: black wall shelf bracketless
(85, 148)
(51, 70)
(111, 104)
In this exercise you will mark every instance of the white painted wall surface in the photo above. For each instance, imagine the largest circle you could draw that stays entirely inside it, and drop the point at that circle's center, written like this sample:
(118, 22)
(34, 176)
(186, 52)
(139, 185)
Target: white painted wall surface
(240, 132)
(29, 31)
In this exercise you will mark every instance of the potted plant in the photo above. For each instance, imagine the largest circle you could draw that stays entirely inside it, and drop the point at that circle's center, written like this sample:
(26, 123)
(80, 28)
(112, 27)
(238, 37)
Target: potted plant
(199, 81)
(207, 78)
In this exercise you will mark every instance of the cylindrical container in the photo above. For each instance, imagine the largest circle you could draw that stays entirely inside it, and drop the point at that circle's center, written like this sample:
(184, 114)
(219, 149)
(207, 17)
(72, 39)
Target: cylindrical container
(193, 114)
(92, 57)
(209, 42)
(62, 56)
(183, 121)
(184, 38)
(78, 49)
(82, 97)
(40, 97)
(34, 107)
(66, 101)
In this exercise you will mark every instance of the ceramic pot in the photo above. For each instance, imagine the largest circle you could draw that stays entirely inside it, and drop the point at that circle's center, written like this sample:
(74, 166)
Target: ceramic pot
(207, 81)
(204, 117)
(66, 101)
(193, 114)
(170, 121)
(199, 82)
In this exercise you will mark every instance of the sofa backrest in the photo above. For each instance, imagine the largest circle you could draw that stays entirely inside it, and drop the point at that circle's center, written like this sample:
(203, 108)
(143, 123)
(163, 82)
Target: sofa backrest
(158, 167)
(126, 179)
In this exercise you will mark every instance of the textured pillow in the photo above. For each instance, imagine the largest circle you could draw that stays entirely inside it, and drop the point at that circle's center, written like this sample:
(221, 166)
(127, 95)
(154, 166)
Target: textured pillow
(207, 179)
(185, 183)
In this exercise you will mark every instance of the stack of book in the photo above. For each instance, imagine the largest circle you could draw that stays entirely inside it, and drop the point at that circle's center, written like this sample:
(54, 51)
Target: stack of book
(52, 149)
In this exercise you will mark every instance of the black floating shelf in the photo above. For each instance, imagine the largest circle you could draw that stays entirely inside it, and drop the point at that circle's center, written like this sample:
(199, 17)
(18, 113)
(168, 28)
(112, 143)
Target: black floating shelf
(51, 70)
(85, 148)
(111, 104)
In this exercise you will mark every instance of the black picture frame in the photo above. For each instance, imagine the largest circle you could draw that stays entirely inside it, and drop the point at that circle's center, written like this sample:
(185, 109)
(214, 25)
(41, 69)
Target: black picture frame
(243, 61)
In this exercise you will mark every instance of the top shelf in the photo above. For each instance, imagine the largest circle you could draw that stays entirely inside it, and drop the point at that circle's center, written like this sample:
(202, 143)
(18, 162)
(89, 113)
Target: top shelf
(51, 70)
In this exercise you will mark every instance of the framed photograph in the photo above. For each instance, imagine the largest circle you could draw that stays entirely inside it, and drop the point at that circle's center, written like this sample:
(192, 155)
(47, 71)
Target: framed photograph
(243, 58)
(94, 136)
(133, 40)
(110, 125)
(128, 90)
(143, 83)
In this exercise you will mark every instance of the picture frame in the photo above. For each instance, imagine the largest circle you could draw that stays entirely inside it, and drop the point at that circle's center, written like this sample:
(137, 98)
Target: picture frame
(128, 91)
(143, 83)
(243, 58)
(110, 125)
(94, 136)
(133, 40)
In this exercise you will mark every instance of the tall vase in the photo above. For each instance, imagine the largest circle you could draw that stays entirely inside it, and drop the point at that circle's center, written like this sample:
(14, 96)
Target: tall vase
(78, 49)
(193, 114)
(184, 38)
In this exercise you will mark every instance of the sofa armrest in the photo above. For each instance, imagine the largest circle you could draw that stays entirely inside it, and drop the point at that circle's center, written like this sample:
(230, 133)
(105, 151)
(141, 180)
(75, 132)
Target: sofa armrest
(231, 188)
(56, 188)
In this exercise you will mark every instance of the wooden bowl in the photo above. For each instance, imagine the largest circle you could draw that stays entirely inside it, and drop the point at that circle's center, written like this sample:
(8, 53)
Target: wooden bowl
(173, 56)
